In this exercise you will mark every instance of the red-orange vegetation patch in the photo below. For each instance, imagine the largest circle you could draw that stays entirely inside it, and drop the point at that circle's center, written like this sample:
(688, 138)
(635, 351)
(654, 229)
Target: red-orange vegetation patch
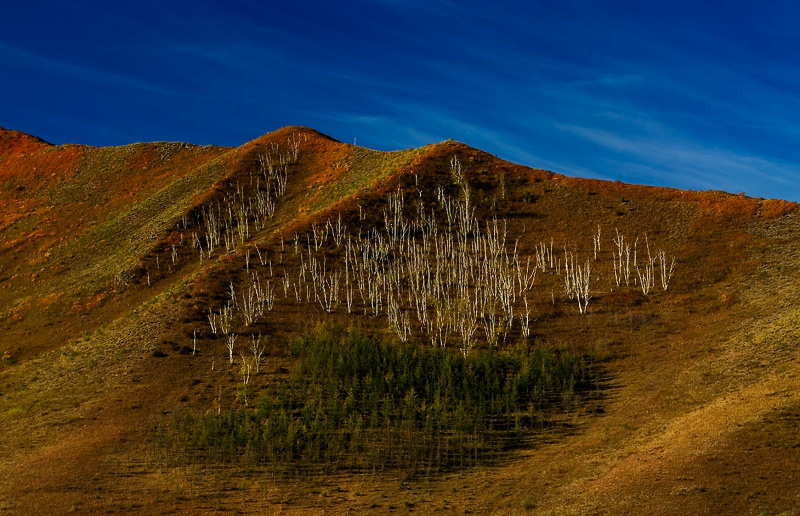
(720, 204)
(17, 244)
(51, 164)
(329, 164)
(728, 206)
(620, 189)
(534, 175)
(280, 136)
(96, 301)
(331, 168)
(774, 208)
(90, 304)
(437, 158)
(48, 300)
(443, 152)
(14, 143)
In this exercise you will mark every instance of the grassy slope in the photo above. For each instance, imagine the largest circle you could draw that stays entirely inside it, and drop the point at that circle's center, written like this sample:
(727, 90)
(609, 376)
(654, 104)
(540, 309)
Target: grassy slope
(77, 216)
(700, 406)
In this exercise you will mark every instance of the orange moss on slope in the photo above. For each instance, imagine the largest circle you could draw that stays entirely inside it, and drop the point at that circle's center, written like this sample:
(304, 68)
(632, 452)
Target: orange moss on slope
(719, 204)
(14, 143)
(774, 208)
(620, 189)
(41, 168)
(728, 206)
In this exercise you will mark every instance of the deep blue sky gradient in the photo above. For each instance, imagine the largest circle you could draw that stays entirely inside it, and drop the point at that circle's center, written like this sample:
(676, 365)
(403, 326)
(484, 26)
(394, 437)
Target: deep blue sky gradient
(699, 95)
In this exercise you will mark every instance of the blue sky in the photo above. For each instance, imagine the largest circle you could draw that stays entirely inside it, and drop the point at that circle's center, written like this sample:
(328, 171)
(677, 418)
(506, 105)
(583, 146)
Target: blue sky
(698, 95)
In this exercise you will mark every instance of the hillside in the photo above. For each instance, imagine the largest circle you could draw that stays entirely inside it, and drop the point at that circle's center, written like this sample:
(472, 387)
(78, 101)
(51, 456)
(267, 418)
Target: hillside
(154, 293)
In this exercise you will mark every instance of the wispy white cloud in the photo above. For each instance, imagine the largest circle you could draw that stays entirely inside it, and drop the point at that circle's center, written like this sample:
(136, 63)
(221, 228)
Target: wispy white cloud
(49, 66)
(693, 98)
(675, 161)
(610, 80)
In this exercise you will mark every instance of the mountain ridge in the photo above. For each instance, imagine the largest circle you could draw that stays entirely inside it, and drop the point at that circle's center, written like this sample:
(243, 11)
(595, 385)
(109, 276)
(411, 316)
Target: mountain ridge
(110, 272)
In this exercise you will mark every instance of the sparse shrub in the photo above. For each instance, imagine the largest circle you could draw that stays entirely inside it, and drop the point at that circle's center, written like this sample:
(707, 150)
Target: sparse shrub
(8, 358)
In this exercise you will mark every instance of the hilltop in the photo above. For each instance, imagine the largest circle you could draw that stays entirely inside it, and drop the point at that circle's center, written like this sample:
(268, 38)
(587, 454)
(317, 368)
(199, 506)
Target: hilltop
(150, 291)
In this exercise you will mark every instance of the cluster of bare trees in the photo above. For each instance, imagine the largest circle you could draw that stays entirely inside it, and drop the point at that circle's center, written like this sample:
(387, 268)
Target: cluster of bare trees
(435, 272)
(441, 282)
(454, 281)
(231, 221)
(577, 284)
(625, 256)
(255, 299)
